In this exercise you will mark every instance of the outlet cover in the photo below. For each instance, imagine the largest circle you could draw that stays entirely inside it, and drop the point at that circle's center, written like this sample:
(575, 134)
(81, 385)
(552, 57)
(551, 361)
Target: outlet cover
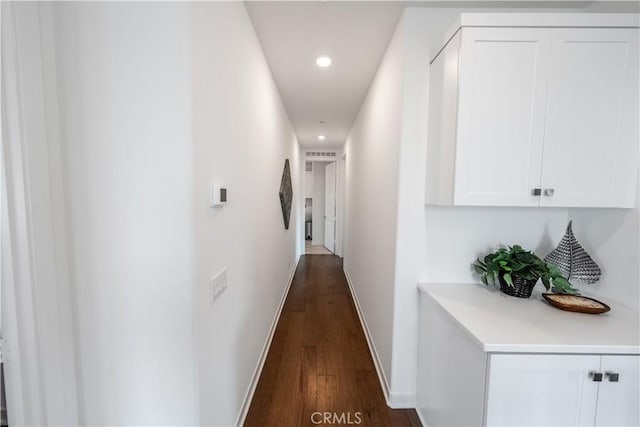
(217, 285)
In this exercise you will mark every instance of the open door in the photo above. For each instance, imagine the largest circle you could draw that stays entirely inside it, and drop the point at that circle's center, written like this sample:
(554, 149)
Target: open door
(330, 207)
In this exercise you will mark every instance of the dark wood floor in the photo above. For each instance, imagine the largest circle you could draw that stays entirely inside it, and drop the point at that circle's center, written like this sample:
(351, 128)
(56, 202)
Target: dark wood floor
(319, 360)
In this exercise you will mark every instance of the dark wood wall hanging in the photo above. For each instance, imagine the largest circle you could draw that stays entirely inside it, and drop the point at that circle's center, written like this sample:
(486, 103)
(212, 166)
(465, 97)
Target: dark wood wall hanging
(286, 194)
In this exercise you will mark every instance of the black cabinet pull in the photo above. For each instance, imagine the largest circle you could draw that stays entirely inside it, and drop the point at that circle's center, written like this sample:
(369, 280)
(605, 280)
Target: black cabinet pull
(595, 376)
(612, 376)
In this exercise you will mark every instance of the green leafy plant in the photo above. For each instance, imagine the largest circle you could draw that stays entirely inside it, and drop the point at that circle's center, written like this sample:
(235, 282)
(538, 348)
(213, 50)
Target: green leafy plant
(514, 261)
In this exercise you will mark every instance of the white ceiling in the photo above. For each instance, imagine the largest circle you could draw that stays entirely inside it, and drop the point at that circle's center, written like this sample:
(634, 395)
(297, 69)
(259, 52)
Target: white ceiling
(355, 35)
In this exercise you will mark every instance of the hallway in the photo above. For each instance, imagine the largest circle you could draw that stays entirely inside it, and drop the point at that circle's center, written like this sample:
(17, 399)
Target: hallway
(319, 361)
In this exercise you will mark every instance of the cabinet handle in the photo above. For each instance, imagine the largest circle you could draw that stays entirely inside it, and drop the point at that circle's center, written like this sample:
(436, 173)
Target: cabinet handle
(612, 376)
(595, 376)
(548, 192)
(536, 192)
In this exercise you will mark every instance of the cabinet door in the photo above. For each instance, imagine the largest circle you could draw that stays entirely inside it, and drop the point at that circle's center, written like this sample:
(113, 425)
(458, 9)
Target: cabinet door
(618, 401)
(591, 136)
(541, 390)
(501, 109)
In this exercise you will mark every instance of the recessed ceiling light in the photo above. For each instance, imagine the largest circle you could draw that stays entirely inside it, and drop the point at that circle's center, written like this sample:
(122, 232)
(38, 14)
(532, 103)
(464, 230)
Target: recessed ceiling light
(323, 61)
(321, 137)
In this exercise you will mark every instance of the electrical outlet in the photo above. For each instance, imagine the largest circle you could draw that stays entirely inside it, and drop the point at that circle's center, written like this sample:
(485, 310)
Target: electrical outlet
(217, 285)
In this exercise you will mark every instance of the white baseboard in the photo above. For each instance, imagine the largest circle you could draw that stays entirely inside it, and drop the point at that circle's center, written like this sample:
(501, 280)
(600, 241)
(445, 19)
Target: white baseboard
(394, 400)
(401, 400)
(265, 350)
(421, 418)
(367, 334)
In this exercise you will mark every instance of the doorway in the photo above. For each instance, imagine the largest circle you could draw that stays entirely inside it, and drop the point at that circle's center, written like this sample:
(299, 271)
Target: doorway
(320, 207)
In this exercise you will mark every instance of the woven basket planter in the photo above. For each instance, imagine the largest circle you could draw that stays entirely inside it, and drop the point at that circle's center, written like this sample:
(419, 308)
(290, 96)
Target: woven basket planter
(522, 288)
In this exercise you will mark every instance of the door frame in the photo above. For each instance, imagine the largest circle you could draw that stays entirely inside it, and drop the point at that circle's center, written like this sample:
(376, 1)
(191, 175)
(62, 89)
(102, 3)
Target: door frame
(341, 196)
(23, 380)
(39, 349)
(335, 204)
(339, 159)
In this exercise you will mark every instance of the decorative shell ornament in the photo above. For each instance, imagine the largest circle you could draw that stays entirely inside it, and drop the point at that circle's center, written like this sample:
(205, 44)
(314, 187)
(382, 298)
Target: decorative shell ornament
(573, 261)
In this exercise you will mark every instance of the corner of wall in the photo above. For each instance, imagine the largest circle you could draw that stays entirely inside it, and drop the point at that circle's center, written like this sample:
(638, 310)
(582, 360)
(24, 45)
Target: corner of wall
(372, 151)
(610, 236)
(410, 227)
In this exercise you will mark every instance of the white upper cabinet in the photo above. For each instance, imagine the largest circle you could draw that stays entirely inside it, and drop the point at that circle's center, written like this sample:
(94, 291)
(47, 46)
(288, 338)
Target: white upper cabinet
(591, 131)
(502, 90)
(534, 117)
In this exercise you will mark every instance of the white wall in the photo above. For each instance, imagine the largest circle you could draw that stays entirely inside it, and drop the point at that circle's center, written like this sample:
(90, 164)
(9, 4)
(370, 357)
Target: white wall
(149, 117)
(410, 248)
(247, 235)
(317, 209)
(386, 152)
(308, 184)
(447, 240)
(611, 237)
(371, 201)
(124, 77)
(456, 236)
(439, 244)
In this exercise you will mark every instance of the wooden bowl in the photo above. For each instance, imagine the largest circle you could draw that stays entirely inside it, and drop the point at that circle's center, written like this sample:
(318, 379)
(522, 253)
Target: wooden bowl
(576, 303)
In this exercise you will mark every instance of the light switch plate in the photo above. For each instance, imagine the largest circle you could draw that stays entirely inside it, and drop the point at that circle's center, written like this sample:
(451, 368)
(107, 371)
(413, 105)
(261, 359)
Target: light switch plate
(218, 195)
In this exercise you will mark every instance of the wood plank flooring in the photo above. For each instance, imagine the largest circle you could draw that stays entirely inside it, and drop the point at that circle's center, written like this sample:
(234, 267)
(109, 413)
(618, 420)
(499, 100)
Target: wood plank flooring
(319, 360)
(316, 249)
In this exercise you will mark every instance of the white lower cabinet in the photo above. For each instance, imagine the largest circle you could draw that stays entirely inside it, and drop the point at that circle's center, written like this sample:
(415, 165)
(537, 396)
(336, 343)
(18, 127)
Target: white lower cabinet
(562, 390)
(487, 359)
(619, 397)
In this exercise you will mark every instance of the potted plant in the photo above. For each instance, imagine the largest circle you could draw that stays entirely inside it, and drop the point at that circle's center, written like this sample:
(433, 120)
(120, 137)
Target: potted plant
(518, 270)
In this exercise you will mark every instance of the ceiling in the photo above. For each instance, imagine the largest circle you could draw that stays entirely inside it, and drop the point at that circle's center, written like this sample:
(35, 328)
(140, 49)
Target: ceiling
(355, 35)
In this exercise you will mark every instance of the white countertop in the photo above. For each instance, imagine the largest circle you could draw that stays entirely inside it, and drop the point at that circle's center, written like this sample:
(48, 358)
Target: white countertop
(505, 324)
